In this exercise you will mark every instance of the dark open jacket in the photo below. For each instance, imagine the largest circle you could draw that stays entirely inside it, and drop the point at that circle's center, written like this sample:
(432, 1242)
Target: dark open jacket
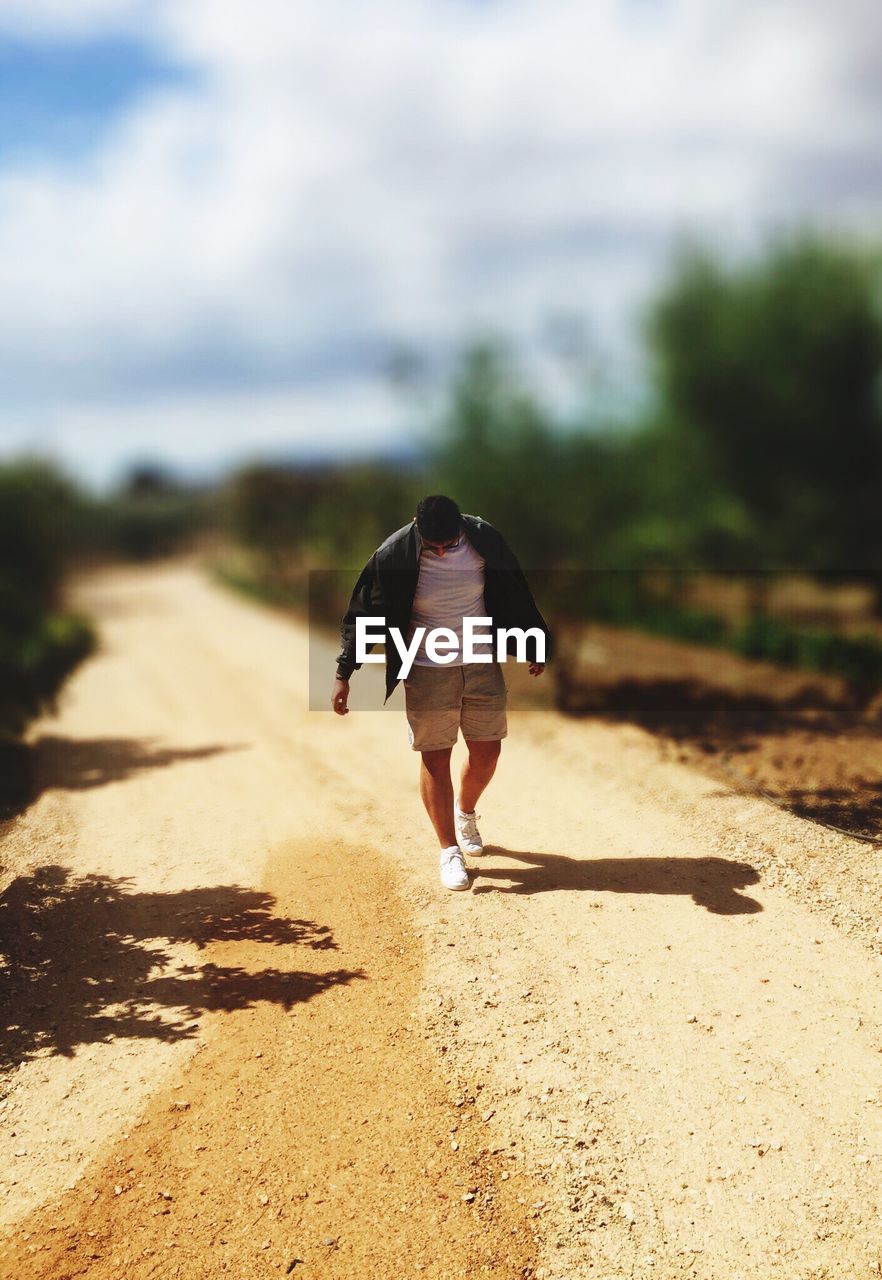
(387, 584)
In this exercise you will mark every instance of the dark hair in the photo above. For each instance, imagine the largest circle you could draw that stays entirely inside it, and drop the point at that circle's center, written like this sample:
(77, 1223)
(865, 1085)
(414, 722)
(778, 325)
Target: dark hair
(438, 518)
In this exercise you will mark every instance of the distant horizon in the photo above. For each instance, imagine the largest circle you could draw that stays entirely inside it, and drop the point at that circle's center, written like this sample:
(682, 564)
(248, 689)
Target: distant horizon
(209, 474)
(402, 442)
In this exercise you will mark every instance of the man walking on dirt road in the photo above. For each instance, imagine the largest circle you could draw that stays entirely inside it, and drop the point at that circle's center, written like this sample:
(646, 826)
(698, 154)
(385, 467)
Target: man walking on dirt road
(425, 587)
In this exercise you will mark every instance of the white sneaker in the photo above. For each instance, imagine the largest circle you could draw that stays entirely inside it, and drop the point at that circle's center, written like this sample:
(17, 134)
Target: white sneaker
(467, 832)
(453, 872)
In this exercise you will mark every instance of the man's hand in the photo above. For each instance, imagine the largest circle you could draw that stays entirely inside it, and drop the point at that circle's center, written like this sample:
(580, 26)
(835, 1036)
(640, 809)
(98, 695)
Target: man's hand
(340, 697)
(536, 668)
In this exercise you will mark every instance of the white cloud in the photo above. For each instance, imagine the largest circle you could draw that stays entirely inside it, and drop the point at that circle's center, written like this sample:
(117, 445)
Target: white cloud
(345, 174)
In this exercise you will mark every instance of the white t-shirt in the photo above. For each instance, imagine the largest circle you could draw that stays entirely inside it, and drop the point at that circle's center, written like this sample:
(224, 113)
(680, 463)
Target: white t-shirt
(449, 588)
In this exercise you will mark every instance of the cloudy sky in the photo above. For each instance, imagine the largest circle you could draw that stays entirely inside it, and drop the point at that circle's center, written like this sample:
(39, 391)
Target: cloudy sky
(217, 218)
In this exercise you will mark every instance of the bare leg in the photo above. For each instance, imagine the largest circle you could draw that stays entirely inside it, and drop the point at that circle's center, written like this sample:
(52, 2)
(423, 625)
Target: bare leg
(436, 789)
(479, 768)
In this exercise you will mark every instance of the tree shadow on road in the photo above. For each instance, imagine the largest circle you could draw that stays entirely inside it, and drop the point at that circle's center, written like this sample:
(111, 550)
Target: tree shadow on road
(52, 762)
(85, 960)
(78, 764)
(692, 710)
(712, 883)
(779, 736)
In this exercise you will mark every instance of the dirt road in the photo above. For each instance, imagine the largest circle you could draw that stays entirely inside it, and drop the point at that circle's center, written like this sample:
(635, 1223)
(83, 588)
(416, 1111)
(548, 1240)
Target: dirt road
(248, 1034)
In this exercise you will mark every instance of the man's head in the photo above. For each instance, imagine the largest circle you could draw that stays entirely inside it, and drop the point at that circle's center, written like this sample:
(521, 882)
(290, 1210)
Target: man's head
(439, 522)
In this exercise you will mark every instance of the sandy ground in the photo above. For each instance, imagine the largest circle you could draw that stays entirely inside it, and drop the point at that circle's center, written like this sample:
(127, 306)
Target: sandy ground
(247, 1033)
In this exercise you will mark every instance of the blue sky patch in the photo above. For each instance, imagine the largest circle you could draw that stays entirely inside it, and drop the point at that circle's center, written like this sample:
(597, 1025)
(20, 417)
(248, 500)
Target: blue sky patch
(58, 98)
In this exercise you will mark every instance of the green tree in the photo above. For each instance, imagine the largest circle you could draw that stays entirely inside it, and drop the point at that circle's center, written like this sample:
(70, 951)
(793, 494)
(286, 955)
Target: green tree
(38, 508)
(769, 377)
(40, 513)
(558, 493)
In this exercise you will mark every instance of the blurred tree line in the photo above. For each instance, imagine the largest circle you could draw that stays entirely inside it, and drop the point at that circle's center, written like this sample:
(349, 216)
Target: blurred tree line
(761, 450)
(48, 524)
(38, 642)
(759, 453)
(150, 515)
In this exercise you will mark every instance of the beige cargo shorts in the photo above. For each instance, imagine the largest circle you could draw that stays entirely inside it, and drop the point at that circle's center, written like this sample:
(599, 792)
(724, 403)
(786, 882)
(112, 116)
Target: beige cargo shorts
(439, 701)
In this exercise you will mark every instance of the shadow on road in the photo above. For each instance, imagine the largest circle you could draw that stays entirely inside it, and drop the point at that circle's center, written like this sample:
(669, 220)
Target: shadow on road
(713, 717)
(713, 883)
(780, 736)
(78, 764)
(84, 960)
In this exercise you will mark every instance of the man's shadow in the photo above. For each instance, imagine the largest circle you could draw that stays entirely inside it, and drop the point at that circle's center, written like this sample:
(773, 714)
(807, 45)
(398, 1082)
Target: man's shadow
(712, 883)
